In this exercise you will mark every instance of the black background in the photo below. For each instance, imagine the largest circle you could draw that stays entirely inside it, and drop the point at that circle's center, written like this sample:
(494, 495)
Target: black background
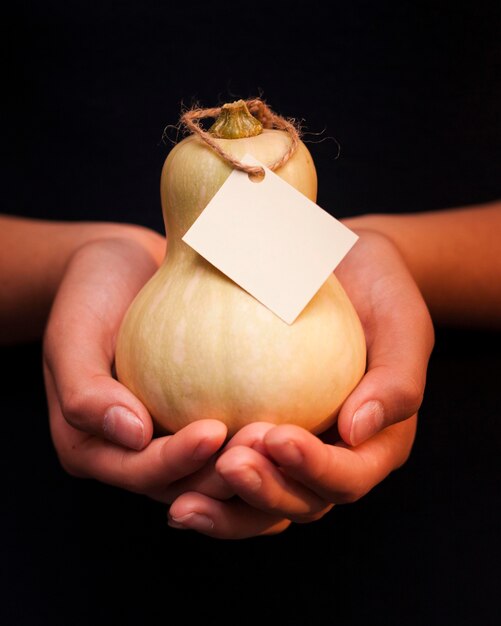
(412, 92)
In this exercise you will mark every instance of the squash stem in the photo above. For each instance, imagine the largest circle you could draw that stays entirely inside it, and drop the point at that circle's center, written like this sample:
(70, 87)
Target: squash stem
(235, 122)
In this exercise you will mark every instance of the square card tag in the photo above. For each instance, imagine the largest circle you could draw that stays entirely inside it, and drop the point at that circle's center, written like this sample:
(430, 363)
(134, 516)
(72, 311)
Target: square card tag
(270, 239)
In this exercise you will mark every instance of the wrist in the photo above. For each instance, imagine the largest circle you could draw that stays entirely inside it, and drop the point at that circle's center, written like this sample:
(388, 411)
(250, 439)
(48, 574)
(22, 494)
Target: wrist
(34, 255)
(399, 230)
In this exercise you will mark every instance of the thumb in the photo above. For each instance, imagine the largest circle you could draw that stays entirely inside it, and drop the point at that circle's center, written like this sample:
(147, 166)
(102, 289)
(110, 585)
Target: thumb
(384, 397)
(99, 405)
(393, 386)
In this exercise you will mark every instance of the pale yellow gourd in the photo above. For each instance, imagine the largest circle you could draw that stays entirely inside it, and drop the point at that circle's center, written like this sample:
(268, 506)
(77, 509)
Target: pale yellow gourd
(194, 345)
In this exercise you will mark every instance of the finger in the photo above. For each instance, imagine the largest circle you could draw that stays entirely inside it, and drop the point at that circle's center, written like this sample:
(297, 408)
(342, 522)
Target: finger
(92, 401)
(340, 474)
(222, 520)
(262, 485)
(399, 343)
(386, 395)
(149, 471)
(162, 462)
(207, 481)
(251, 436)
(79, 343)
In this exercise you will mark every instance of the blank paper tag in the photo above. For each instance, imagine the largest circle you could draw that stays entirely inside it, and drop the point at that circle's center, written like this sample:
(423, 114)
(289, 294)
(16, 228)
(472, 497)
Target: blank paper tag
(270, 239)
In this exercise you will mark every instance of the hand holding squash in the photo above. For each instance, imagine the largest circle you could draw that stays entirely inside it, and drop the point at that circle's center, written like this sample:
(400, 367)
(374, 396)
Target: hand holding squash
(399, 336)
(86, 403)
(284, 473)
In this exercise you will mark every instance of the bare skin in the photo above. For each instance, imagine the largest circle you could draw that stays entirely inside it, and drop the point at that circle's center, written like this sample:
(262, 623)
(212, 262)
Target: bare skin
(384, 275)
(33, 258)
(454, 256)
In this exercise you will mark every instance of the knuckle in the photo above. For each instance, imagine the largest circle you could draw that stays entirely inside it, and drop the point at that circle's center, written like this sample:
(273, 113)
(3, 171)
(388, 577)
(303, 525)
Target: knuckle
(351, 496)
(403, 457)
(74, 406)
(135, 482)
(348, 497)
(411, 393)
(270, 501)
(70, 467)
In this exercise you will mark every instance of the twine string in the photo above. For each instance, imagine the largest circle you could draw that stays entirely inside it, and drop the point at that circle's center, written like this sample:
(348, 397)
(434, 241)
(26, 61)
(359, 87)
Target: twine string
(264, 114)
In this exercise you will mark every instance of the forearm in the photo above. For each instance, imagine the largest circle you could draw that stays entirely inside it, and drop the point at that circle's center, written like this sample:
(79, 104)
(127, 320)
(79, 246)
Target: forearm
(454, 256)
(33, 257)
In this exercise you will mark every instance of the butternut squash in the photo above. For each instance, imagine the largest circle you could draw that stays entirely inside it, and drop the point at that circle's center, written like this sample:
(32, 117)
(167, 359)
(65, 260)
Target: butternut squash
(194, 345)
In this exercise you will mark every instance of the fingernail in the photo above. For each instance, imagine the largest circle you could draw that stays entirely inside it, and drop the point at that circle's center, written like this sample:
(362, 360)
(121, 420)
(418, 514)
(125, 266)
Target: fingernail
(247, 477)
(195, 521)
(123, 427)
(259, 446)
(366, 422)
(290, 454)
(204, 450)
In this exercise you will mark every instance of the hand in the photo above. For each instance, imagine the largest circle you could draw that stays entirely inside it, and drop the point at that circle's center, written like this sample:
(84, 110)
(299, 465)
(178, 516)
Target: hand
(99, 428)
(284, 474)
(399, 336)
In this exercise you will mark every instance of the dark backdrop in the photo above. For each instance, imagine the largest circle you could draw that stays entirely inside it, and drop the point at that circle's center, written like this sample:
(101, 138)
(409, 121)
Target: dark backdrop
(412, 93)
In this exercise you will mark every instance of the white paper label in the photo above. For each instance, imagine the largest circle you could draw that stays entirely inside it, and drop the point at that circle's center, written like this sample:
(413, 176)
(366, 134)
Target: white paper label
(270, 239)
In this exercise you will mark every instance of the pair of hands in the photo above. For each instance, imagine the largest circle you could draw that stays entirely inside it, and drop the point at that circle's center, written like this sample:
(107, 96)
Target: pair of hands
(266, 476)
